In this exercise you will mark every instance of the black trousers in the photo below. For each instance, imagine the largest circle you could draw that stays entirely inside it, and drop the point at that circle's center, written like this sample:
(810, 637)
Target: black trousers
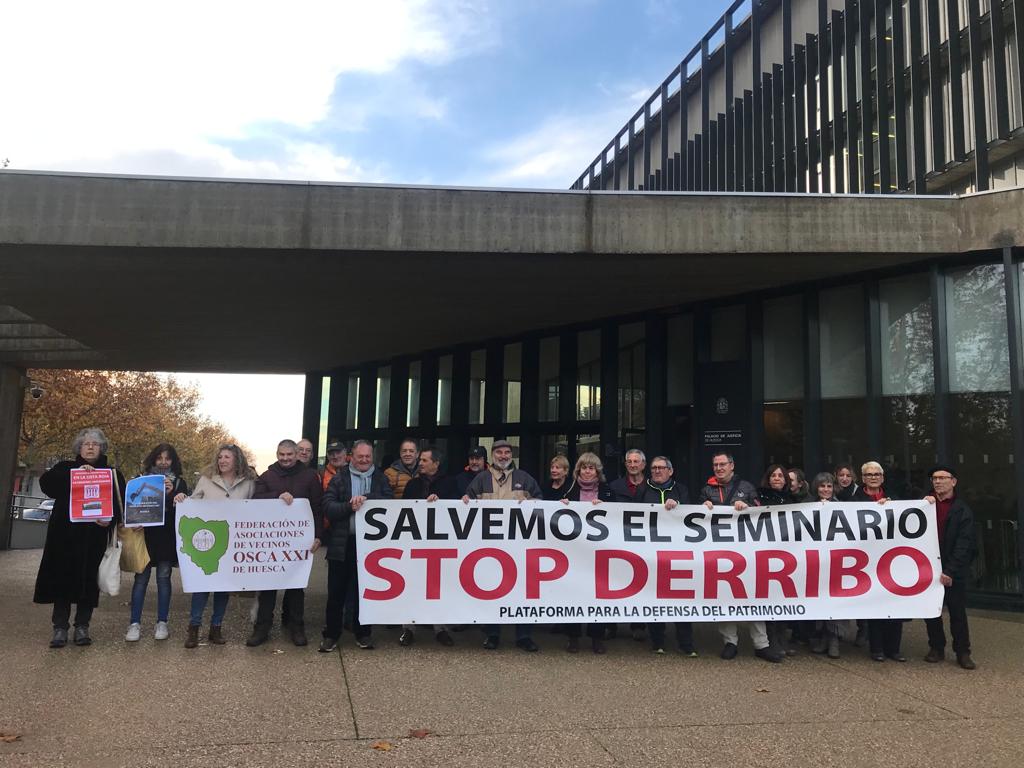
(293, 608)
(62, 614)
(594, 631)
(885, 636)
(684, 635)
(956, 601)
(341, 574)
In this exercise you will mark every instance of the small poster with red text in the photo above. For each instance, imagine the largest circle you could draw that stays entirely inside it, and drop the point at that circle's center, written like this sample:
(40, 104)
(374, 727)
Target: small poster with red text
(92, 495)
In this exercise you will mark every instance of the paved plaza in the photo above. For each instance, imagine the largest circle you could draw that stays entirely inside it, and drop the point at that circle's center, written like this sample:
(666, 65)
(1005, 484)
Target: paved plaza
(158, 704)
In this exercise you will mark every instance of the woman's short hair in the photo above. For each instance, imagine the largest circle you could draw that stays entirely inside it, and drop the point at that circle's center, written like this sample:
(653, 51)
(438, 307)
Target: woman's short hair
(89, 433)
(766, 479)
(821, 479)
(869, 466)
(150, 461)
(561, 461)
(242, 468)
(850, 468)
(589, 459)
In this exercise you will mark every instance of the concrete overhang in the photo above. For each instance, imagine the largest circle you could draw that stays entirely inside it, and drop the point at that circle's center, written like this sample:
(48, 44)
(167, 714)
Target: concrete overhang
(218, 275)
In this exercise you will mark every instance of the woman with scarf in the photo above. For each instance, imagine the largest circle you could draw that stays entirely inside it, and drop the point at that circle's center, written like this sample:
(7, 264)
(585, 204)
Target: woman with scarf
(73, 551)
(588, 486)
(160, 543)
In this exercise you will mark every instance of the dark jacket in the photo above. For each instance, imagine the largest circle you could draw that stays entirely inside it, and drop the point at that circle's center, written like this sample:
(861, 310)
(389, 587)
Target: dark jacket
(847, 493)
(620, 488)
(421, 486)
(959, 545)
(298, 480)
(462, 481)
(160, 539)
(72, 553)
(728, 494)
(649, 493)
(604, 492)
(338, 510)
(549, 493)
(770, 497)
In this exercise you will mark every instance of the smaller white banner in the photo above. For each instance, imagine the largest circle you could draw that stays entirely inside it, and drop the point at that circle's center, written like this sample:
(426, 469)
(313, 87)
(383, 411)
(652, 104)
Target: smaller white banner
(229, 545)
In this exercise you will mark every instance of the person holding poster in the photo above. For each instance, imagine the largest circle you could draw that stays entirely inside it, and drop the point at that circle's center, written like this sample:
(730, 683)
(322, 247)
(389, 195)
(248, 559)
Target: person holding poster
(228, 476)
(160, 542)
(346, 494)
(72, 552)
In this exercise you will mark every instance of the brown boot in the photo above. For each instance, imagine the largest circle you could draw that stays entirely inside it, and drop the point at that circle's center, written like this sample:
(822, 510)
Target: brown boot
(192, 640)
(216, 636)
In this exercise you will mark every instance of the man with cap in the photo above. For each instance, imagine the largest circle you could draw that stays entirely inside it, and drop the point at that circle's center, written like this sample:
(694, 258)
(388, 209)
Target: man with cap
(504, 481)
(476, 464)
(337, 460)
(957, 549)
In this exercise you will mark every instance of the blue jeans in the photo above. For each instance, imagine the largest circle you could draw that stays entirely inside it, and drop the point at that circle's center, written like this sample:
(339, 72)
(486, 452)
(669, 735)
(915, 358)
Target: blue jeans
(163, 591)
(220, 605)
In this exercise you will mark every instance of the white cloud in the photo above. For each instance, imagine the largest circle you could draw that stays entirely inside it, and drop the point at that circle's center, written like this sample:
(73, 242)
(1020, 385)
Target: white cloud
(112, 84)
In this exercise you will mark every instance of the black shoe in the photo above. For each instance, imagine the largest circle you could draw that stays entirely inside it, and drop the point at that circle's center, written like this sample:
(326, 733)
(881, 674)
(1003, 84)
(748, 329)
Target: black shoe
(896, 656)
(689, 652)
(299, 635)
(611, 632)
(729, 651)
(965, 661)
(768, 654)
(407, 638)
(259, 636)
(527, 644)
(491, 642)
(639, 635)
(60, 638)
(935, 655)
(444, 639)
(598, 646)
(82, 635)
(878, 657)
(862, 637)
(364, 643)
(327, 645)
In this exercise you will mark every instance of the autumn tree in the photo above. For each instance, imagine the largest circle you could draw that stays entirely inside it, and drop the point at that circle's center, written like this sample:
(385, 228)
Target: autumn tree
(135, 410)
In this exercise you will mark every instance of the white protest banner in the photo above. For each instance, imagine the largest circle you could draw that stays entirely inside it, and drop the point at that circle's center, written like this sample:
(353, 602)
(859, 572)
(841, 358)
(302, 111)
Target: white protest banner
(229, 545)
(498, 562)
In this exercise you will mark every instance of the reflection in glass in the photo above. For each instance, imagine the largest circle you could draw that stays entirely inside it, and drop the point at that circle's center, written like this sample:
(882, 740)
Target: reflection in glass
(352, 406)
(841, 323)
(632, 377)
(548, 379)
(588, 375)
(979, 354)
(784, 348)
(382, 402)
(843, 435)
(512, 393)
(444, 390)
(477, 385)
(784, 433)
(905, 310)
(680, 360)
(412, 408)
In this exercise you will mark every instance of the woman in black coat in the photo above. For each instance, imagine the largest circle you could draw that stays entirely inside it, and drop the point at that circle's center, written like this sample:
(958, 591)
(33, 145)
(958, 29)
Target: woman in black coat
(774, 489)
(161, 544)
(73, 551)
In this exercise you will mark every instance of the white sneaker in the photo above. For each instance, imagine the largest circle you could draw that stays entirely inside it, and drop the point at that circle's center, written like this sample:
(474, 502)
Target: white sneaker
(160, 633)
(133, 633)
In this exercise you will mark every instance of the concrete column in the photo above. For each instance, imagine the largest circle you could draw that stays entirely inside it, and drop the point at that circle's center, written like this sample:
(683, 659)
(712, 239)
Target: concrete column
(12, 397)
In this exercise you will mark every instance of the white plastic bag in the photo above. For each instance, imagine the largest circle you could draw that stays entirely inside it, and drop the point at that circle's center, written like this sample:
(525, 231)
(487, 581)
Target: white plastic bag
(109, 575)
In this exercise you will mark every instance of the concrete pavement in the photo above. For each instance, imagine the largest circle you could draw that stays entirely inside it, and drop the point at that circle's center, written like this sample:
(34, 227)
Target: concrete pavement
(158, 704)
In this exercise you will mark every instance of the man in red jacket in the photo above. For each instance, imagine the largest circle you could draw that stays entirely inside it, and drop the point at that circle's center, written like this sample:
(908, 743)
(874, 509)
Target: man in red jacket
(287, 479)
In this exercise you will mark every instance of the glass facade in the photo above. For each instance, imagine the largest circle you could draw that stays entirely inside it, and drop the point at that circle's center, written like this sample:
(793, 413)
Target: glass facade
(880, 388)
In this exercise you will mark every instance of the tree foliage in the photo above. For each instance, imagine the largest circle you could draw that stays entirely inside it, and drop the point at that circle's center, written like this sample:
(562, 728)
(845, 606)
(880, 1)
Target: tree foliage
(136, 411)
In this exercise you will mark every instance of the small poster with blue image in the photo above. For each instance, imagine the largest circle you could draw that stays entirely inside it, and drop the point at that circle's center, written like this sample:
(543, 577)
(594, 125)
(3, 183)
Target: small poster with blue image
(144, 500)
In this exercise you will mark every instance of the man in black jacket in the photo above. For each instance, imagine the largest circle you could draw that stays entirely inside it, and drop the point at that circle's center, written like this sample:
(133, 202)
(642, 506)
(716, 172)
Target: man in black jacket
(476, 464)
(346, 494)
(957, 548)
(287, 479)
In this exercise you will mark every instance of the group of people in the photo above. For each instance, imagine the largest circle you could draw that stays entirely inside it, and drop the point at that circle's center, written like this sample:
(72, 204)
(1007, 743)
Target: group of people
(350, 478)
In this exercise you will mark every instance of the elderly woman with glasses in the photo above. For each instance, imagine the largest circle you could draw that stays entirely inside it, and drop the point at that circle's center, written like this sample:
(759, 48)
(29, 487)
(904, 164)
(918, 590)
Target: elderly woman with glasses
(884, 635)
(73, 551)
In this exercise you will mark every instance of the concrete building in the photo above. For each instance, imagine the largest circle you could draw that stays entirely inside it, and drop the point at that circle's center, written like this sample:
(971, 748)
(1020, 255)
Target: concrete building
(716, 307)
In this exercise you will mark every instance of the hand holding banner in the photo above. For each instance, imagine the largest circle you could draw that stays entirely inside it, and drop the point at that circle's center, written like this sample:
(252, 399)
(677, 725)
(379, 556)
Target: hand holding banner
(494, 562)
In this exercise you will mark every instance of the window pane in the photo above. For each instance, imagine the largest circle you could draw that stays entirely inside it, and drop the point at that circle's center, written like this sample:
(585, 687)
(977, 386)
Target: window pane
(477, 385)
(784, 433)
(979, 354)
(908, 434)
(905, 306)
(383, 404)
(548, 379)
(632, 377)
(512, 395)
(444, 390)
(325, 405)
(844, 437)
(729, 334)
(488, 442)
(784, 348)
(412, 408)
(588, 375)
(680, 360)
(352, 407)
(587, 444)
(552, 445)
(841, 319)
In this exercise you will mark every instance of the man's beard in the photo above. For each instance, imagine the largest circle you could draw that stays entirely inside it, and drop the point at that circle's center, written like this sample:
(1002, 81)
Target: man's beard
(502, 465)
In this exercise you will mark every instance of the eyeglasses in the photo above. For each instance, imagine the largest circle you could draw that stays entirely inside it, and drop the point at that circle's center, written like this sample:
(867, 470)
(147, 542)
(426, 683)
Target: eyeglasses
(872, 474)
(941, 477)
(91, 444)
(719, 464)
(658, 468)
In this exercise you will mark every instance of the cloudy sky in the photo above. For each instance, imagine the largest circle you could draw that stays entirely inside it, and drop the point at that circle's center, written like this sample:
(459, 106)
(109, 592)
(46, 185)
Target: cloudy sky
(513, 93)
